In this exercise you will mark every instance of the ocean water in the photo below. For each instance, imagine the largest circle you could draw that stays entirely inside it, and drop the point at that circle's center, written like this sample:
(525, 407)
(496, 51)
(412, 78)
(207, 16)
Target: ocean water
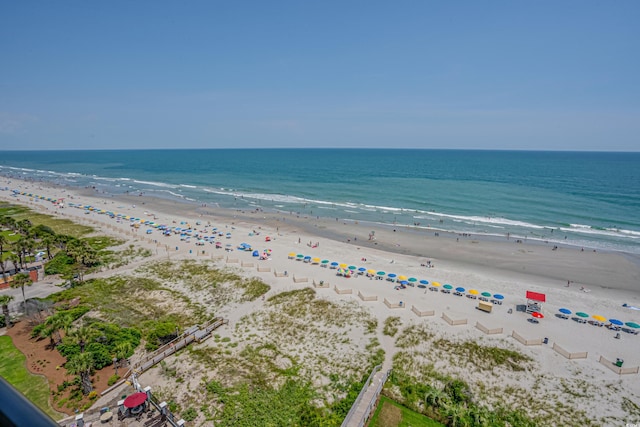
(587, 199)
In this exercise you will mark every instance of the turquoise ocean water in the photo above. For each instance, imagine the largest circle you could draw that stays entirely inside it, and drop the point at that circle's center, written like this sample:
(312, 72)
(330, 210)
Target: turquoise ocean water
(587, 199)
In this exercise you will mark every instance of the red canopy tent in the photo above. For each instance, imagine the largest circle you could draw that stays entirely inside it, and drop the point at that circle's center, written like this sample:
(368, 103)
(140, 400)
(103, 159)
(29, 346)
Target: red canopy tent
(534, 301)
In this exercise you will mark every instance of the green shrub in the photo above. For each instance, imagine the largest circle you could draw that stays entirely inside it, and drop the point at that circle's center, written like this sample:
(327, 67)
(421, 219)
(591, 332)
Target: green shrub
(159, 333)
(61, 263)
(113, 379)
(189, 414)
(101, 355)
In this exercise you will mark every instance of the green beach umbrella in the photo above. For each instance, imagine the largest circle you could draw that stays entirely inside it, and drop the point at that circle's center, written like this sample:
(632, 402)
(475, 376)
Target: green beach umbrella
(448, 286)
(581, 314)
(633, 325)
(352, 267)
(381, 273)
(486, 294)
(413, 279)
(325, 261)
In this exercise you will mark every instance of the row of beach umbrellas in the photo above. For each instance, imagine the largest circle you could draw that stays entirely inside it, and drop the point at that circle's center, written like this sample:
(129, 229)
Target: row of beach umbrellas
(599, 318)
(402, 279)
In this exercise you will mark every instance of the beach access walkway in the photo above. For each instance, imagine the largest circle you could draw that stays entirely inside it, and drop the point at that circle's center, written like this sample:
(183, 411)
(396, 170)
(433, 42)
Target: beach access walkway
(367, 400)
(196, 333)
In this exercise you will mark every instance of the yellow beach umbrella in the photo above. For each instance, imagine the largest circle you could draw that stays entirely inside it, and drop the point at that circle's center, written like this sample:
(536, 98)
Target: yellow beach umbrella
(315, 260)
(343, 266)
(371, 272)
(291, 255)
(436, 284)
(599, 318)
(402, 278)
(473, 292)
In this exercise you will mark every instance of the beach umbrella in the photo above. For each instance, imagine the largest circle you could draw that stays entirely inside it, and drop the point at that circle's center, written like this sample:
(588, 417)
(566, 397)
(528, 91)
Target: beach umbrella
(291, 255)
(599, 318)
(537, 315)
(616, 322)
(424, 282)
(343, 266)
(486, 294)
(404, 282)
(315, 260)
(436, 284)
(402, 278)
(391, 275)
(334, 264)
(582, 314)
(380, 273)
(460, 289)
(300, 256)
(473, 292)
(565, 311)
(362, 269)
(352, 267)
(498, 296)
(325, 261)
(371, 272)
(135, 400)
(448, 286)
(412, 279)
(633, 325)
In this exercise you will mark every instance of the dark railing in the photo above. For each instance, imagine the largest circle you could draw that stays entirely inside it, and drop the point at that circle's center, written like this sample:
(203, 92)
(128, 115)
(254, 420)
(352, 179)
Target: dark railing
(17, 411)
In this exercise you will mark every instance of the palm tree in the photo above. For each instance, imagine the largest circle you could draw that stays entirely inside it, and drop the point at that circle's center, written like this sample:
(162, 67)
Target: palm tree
(53, 325)
(48, 241)
(435, 397)
(122, 351)
(3, 242)
(4, 302)
(457, 416)
(21, 280)
(82, 365)
(82, 336)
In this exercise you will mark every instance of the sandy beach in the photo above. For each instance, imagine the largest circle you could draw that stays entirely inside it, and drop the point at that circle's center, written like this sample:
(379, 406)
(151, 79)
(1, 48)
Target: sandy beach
(597, 283)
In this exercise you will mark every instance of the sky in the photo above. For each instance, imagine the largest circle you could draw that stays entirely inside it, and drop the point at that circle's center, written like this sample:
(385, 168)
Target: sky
(535, 75)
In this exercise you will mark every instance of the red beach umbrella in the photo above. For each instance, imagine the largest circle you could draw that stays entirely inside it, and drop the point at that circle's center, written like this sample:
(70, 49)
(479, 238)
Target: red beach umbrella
(135, 400)
(537, 315)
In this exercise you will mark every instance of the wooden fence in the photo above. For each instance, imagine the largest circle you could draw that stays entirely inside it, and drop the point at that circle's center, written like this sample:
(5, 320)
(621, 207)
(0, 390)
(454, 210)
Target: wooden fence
(488, 331)
(367, 298)
(522, 340)
(422, 313)
(618, 369)
(453, 322)
(565, 353)
(399, 304)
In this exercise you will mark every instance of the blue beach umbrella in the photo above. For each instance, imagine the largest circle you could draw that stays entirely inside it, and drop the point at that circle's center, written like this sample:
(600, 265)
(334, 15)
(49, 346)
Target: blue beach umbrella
(404, 282)
(391, 275)
(362, 269)
(565, 311)
(616, 322)
(334, 264)
(498, 296)
(424, 282)
(460, 289)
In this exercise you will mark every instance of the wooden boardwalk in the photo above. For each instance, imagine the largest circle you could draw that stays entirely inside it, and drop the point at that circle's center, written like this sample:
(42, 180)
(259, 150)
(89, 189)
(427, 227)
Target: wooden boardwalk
(367, 400)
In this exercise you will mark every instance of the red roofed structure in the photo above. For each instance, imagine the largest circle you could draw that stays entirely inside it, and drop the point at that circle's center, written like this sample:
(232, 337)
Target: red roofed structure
(534, 301)
(536, 296)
